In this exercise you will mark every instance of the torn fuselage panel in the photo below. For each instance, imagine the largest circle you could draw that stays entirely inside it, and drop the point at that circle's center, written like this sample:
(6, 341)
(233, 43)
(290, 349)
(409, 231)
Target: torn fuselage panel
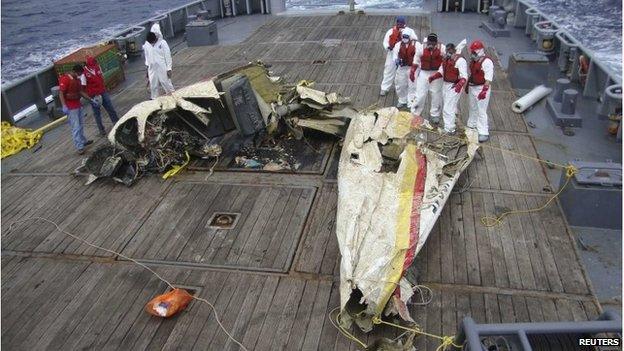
(394, 176)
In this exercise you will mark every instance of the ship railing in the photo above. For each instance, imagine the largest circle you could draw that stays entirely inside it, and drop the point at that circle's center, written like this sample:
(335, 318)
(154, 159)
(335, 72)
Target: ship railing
(33, 92)
(517, 335)
(599, 78)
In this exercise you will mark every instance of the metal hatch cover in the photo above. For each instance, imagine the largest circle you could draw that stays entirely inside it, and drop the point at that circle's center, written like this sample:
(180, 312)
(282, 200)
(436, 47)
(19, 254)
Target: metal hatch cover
(181, 230)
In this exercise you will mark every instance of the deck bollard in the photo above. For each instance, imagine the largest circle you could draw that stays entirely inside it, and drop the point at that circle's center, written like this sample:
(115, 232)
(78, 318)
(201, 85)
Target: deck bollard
(497, 23)
(562, 106)
(568, 103)
(491, 11)
(532, 17)
(561, 85)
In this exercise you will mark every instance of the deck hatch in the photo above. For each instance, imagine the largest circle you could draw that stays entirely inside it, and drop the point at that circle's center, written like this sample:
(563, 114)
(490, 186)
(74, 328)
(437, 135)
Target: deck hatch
(226, 226)
(192, 290)
(223, 220)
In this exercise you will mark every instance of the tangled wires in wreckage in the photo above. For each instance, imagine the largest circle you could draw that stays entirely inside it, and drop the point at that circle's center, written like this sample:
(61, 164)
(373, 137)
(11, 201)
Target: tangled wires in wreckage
(166, 148)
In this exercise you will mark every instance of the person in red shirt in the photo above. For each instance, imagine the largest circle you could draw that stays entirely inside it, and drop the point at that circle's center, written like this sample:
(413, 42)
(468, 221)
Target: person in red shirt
(70, 92)
(92, 81)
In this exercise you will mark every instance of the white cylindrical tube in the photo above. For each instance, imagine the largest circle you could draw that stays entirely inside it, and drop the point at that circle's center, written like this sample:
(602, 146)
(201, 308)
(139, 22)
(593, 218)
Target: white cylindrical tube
(530, 98)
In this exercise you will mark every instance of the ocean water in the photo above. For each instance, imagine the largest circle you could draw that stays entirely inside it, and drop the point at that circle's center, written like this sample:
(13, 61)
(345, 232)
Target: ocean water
(359, 4)
(597, 24)
(36, 32)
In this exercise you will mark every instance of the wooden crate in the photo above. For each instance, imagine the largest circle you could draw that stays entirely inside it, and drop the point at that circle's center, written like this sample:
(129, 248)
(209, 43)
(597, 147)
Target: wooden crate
(107, 57)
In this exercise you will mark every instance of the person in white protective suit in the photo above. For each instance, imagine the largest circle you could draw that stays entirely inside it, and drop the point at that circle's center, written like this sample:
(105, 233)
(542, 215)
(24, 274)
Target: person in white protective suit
(403, 56)
(155, 28)
(392, 37)
(427, 61)
(158, 62)
(454, 74)
(481, 71)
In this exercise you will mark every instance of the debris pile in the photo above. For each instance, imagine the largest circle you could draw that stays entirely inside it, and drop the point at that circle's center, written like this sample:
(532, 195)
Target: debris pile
(265, 118)
(267, 158)
(395, 174)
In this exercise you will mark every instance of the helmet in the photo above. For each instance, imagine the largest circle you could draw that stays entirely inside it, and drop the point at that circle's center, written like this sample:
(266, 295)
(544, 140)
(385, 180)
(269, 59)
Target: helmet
(400, 20)
(476, 45)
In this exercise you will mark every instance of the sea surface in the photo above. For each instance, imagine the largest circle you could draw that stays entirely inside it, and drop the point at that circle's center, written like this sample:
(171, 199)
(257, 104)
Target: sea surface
(597, 24)
(34, 33)
(37, 32)
(359, 4)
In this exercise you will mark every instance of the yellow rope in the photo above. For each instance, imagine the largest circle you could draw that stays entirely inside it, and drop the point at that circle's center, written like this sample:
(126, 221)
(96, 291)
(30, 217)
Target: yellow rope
(343, 331)
(446, 340)
(489, 221)
(494, 221)
(15, 139)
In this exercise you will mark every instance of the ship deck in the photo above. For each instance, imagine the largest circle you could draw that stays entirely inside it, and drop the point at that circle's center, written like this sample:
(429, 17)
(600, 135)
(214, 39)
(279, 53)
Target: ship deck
(275, 276)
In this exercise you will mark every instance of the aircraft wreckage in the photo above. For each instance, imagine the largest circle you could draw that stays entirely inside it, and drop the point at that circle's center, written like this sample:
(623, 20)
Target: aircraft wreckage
(246, 106)
(395, 173)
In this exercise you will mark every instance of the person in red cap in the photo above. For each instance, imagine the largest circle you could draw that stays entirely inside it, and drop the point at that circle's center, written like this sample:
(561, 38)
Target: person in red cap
(481, 72)
(70, 93)
(92, 81)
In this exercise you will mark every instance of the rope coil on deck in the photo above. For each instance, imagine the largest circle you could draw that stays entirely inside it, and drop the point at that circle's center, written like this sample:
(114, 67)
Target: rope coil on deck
(490, 221)
(446, 340)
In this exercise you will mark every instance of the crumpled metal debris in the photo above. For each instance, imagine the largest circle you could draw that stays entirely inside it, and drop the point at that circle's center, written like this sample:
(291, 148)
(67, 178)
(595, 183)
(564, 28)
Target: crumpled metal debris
(155, 136)
(395, 174)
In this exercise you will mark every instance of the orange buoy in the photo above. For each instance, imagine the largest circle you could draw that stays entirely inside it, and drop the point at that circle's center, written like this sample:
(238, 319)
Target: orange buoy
(583, 68)
(168, 304)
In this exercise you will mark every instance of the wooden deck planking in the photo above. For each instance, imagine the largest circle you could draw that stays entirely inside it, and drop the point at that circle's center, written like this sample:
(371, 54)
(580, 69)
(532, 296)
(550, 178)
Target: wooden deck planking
(296, 318)
(486, 308)
(104, 213)
(94, 305)
(501, 168)
(56, 153)
(460, 250)
(319, 252)
(522, 252)
(271, 220)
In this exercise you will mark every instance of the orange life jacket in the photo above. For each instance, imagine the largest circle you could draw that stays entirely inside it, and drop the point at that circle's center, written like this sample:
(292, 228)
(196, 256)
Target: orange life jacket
(395, 36)
(73, 89)
(406, 53)
(451, 74)
(431, 59)
(477, 75)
